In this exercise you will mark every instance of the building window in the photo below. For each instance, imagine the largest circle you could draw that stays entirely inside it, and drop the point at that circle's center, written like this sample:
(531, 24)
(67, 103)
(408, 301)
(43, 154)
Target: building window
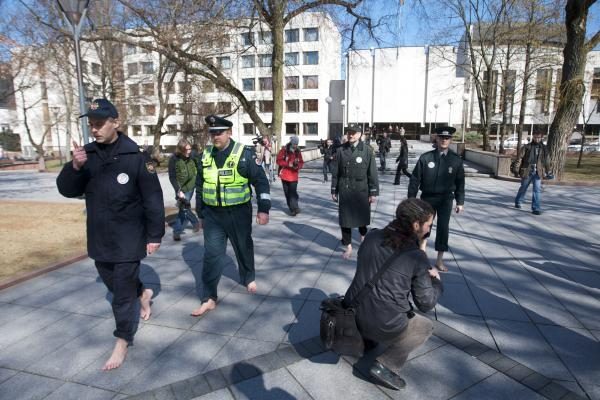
(95, 68)
(264, 60)
(185, 87)
(136, 130)
(292, 106)
(507, 94)
(543, 86)
(265, 37)
(208, 86)
(223, 41)
(224, 62)
(223, 107)
(172, 130)
(311, 128)
(206, 108)
(265, 83)
(311, 57)
(311, 81)
(147, 68)
(130, 49)
(134, 110)
(150, 110)
(595, 90)
(248, 84)
(265, 106)
(134, 90)
(248, 38)
(171, 109)
(292, 35)
(249, 129)
(311, 34)
(310, 105)
(171, 67)
(148, 89)
(292, 59)
(248, 61)
(292, 128)
(292, 82)
(132, 69)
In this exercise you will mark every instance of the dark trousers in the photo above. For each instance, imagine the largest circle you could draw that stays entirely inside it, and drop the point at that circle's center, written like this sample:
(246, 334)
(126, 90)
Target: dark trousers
(222, 223)
(347, 234)
(326, 169)
(419, 329)
(442, 204)
(123, 281)
(401, 168)
(382, 155)
(290, 189)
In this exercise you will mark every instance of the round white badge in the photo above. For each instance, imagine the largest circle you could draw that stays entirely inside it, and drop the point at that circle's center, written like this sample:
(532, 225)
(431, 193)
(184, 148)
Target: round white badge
(122, 178)
(431, 164)
(359, 159)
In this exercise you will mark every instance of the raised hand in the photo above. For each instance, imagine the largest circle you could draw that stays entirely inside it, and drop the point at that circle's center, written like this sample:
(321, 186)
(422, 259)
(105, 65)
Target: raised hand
(79, 156)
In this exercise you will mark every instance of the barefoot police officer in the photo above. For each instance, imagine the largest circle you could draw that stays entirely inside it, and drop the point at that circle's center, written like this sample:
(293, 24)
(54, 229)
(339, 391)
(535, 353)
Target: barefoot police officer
(125, 215)
(225, 172)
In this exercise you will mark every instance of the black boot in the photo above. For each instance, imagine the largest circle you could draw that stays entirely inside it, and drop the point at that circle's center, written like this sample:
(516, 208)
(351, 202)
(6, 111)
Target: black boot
(386, 376)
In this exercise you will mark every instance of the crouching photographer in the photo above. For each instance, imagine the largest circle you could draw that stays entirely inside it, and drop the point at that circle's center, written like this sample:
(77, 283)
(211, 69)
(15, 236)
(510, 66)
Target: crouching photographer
(391, 265)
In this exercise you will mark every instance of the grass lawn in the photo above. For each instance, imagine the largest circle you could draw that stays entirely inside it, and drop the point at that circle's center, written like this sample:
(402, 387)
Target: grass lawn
(35, 234)
(589, 171)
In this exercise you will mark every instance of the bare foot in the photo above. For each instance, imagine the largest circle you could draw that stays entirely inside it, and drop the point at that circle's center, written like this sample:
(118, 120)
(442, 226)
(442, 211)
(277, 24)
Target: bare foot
(145, 298)
(347, 253)
(118, 355)
(441, 267)
(251, 287)
(205, 307)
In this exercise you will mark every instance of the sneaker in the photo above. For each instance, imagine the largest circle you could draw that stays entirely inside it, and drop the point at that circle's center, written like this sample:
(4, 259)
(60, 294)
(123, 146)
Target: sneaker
(517, 205)
(536, 212)
(386, 377)
(176, 236)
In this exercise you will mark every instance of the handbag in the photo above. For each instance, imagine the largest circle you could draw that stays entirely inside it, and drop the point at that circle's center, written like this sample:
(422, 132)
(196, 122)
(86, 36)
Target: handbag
(338, 329)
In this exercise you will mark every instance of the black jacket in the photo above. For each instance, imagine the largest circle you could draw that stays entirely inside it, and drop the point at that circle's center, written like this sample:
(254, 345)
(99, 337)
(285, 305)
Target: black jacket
(437, 177)
(382, 314)
(124, 201)
(247, 168)
(402, 159)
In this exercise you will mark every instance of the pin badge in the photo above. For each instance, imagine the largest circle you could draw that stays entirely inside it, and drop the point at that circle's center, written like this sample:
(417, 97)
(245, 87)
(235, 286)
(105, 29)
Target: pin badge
(449, 170)
(122, 178)
(358, 160)
(431, 164)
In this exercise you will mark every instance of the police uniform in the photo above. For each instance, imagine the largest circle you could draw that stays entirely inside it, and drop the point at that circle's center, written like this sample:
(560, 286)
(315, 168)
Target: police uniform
(441, 179)
(223, 202)
(354, 180)
(125, 212)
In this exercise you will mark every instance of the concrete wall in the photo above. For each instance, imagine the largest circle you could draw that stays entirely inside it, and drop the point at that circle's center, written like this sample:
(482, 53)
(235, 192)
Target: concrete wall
(499, 164)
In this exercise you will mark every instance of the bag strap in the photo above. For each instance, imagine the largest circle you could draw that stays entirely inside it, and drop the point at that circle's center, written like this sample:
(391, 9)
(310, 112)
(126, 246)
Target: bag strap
(373, 281)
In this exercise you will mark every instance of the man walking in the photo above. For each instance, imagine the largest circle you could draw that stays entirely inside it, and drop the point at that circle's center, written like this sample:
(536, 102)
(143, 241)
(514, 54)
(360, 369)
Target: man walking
(440, 176)
(328, 151)
(534, 166)
(402, 159)
(225, 172)
(385, 145)
(354, 184)
(125, 216)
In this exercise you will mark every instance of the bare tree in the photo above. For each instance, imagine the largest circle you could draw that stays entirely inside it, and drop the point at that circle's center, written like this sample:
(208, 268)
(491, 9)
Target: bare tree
(572, 86)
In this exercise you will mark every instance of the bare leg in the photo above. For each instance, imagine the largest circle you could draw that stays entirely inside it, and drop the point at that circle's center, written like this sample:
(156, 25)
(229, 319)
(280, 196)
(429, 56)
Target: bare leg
(439, 263)
(118, 355)
(251, 287)
(145, 298)
(347, 253)
(205, 307)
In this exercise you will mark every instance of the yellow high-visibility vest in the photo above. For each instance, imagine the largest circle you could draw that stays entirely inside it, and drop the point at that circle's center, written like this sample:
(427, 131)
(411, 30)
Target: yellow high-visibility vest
(224, 186)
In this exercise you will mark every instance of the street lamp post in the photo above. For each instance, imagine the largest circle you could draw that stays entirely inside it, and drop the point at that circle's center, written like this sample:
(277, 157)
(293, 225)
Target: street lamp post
(436, 105)
(343, 104)
(328, 100)
(450, 112)
(74, 12)
(55, 111)
(465, 115)
(372, 90)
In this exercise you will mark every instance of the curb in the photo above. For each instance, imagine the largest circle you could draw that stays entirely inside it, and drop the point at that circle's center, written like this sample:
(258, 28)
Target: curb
(33, 274)
(551, 182)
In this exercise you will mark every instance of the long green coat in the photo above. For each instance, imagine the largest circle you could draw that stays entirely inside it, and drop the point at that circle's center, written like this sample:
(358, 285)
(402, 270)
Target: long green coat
(354, 179)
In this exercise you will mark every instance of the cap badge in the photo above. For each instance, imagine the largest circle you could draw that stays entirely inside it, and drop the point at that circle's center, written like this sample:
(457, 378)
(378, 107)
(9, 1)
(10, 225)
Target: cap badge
(94, 106)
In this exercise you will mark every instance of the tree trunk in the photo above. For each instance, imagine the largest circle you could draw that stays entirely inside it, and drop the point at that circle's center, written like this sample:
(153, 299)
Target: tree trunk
(572, 87)
(581, 148)
(277, 29)
(524, 94)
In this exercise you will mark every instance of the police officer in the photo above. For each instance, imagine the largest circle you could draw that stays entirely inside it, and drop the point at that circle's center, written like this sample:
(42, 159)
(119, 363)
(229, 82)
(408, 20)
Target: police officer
(441, 177)
(225, 172)
(354, 184)
(125, 215)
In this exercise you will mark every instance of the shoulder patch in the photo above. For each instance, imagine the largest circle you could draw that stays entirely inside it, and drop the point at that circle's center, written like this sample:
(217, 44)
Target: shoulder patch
(150, 167)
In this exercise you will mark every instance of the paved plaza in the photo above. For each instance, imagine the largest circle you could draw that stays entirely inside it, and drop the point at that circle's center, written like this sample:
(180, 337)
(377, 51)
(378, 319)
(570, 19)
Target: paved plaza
(519, 317)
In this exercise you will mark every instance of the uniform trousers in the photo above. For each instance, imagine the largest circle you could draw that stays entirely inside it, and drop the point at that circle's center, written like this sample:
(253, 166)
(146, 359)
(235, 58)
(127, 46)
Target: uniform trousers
(401, 168)
(290, 189)
(442, 204)
(347, 234)
(222, 223)
(123, 281)
(418, 330)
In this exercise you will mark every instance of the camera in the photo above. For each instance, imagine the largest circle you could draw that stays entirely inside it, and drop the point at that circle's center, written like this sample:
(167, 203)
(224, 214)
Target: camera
(258, 139)
(183, 203)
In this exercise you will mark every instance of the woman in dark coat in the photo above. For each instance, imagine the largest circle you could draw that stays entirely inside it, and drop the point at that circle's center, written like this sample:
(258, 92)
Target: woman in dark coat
(354, 185)
(402, 159)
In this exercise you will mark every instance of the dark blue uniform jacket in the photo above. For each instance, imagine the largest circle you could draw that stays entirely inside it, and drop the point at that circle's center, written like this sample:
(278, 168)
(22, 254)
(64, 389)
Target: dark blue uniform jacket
(124, 201)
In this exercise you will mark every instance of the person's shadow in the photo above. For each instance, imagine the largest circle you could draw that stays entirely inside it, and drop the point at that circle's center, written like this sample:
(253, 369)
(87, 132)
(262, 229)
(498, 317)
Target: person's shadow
(253, 387)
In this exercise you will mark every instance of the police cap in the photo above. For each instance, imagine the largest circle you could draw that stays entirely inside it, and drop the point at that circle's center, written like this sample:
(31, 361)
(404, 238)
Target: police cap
(217, 124)
(445, 131)
(101, 109)
(355, 128)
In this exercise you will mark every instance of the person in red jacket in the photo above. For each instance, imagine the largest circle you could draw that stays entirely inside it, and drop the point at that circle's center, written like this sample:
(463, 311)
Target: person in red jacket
(290, 161)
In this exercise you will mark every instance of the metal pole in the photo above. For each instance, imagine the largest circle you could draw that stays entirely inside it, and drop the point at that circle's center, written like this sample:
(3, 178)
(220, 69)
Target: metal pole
(372, 91)
(83, 121)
